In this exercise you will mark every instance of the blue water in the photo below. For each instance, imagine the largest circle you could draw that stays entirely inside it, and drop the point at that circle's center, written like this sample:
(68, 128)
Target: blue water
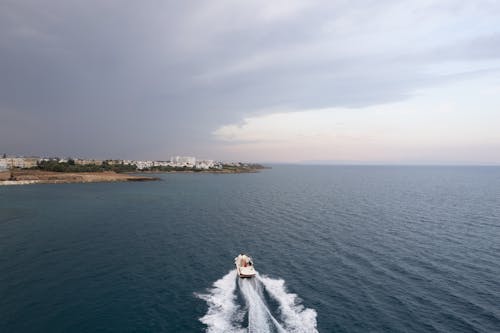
(364, 249)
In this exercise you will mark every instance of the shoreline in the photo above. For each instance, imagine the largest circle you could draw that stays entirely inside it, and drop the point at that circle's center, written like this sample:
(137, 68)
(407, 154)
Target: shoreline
(29, 177)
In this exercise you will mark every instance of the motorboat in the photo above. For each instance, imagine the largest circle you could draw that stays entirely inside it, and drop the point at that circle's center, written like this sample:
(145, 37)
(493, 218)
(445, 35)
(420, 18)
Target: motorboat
(244, 266)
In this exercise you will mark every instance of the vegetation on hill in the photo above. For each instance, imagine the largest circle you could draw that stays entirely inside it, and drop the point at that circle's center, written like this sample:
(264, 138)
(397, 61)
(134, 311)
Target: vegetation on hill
(70, 166)
(243, 166)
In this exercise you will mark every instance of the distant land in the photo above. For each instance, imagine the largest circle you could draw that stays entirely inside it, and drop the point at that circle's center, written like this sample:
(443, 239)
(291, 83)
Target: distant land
(386, 163)
(54, 170)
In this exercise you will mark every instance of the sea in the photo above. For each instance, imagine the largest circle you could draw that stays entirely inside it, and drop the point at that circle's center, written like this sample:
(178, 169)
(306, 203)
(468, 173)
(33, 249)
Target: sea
(337, 249)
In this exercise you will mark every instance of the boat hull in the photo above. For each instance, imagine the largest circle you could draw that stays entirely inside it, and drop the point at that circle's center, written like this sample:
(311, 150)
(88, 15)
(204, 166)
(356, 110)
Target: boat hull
(244, 266)
(244, 274)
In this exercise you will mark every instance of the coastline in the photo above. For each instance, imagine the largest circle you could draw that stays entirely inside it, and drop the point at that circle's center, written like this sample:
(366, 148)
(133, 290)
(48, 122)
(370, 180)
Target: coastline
(28, 177)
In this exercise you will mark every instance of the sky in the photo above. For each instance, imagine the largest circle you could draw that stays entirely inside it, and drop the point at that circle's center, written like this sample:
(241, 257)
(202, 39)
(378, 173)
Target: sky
(362, 82)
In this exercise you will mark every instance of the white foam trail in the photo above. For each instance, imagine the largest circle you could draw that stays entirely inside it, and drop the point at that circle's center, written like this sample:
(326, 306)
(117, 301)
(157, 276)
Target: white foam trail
(260, 318)
(223, 313)
(295, 316)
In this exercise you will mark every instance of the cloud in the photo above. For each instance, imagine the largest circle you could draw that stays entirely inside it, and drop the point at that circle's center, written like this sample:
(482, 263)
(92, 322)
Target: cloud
(435, 126)
(150, 78)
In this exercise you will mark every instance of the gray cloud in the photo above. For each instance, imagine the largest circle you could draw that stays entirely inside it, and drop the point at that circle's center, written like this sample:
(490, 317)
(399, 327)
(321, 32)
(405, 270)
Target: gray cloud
(130, 79)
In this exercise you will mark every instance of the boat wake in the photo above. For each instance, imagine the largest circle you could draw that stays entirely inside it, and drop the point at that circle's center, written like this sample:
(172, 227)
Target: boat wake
(240, 305)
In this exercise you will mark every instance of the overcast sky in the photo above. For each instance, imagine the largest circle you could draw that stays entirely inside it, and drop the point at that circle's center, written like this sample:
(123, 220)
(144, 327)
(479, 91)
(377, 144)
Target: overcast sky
(275, 81)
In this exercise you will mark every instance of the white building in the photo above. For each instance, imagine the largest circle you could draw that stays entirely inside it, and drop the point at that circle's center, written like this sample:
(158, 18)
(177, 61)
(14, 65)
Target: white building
(79, 161)
(183, 161)
(141, 165)
(205, 164)
(3, 164)
(18, 162)
(161, 164)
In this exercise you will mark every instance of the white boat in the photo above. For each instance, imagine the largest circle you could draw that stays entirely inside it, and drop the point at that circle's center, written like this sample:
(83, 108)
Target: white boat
(244, 266)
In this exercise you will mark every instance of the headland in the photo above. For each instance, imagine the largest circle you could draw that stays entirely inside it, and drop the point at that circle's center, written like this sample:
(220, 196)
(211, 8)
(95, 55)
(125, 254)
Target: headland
(35, 170)
(26, 177)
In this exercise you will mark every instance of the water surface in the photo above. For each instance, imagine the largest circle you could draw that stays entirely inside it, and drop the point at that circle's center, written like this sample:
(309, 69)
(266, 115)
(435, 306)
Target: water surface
(393, 249)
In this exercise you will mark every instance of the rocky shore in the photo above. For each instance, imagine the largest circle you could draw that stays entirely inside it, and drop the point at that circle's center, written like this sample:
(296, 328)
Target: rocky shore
(24, 177)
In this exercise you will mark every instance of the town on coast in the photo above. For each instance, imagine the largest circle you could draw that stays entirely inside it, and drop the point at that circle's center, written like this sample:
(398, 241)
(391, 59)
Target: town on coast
(19, 170)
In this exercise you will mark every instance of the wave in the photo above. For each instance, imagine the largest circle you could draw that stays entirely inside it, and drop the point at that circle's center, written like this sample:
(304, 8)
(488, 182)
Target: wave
(223, 313)
(295, 316)
(226, 314)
